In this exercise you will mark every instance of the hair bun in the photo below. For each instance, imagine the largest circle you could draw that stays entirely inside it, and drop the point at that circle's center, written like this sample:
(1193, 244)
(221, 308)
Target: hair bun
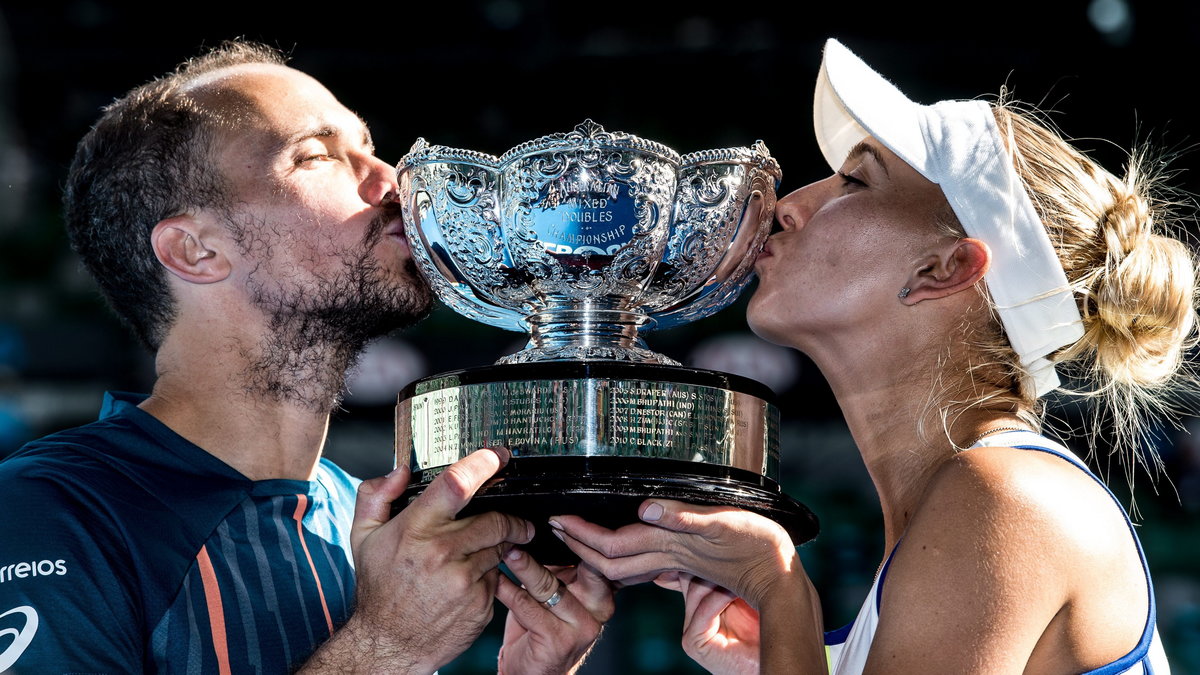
(1140, 314)
(1123, 246)
(1125, 224)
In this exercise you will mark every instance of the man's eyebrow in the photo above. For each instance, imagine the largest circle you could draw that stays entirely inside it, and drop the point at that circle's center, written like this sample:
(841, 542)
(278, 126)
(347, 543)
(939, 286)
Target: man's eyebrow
(864, 148)
(329, 131)
(368, 142)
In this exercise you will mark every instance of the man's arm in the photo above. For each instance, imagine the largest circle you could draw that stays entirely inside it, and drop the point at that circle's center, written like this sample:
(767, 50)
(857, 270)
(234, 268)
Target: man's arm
(425, 580)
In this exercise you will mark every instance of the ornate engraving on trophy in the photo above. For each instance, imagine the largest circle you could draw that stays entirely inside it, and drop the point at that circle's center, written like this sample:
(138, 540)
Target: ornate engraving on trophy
(585, 240)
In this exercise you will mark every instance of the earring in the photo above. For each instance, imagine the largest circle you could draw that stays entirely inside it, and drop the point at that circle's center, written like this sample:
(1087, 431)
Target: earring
(904, 292)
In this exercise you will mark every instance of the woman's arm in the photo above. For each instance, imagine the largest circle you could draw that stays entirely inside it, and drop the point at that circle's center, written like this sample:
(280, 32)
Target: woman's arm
(748, 554)
(1014, 562)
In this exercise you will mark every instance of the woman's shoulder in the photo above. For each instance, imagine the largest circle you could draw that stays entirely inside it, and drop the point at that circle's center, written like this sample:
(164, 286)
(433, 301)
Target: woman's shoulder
(1024, 498)
(1018, 550)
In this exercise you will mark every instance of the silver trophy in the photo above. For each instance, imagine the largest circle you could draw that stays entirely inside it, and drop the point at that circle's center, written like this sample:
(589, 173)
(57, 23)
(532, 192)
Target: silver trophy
(585, 240)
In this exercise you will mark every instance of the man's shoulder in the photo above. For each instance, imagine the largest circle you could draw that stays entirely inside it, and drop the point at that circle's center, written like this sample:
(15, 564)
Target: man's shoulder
(118, 469)
(86, 545)
(89, 456)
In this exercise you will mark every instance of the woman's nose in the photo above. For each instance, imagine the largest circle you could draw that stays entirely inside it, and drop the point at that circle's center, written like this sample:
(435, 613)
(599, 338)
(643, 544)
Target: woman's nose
(785, 215)
(790, 213)
(793, 211)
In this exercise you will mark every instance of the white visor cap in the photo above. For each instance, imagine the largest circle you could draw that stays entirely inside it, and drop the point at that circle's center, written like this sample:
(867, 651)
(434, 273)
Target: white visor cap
(957, 145)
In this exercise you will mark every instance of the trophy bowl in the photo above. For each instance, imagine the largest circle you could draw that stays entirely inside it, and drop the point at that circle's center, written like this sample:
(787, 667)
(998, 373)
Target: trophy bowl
(584, 240)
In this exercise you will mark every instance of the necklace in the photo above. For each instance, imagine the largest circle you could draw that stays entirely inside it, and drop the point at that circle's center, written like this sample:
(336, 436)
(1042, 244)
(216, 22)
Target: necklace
(989, 432)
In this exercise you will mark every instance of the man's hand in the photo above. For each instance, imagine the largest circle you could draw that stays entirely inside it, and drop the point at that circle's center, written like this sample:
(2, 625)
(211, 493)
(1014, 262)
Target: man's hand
(425, 581)
(544, 638)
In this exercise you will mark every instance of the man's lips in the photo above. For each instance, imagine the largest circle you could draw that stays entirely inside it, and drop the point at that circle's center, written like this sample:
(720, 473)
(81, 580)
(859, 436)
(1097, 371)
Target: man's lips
(395, 231)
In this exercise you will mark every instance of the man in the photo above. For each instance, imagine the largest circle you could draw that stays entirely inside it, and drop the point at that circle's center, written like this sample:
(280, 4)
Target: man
(235, 216)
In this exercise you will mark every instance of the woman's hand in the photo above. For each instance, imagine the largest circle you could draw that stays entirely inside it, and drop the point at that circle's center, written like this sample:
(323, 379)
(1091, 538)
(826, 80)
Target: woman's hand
(744, 552)
(751, 556)
(720, 631)
(550, 637)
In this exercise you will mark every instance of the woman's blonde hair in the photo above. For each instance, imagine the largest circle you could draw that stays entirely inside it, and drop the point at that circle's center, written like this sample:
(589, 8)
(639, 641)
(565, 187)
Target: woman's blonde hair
(1120, 241)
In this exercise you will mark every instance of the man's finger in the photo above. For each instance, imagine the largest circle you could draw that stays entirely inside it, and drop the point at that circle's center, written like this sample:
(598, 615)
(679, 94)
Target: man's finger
(593, 591)
(373, 505)
(484, 538)
(529, 607)
(539, 582)
(527, 611)
(454, 487)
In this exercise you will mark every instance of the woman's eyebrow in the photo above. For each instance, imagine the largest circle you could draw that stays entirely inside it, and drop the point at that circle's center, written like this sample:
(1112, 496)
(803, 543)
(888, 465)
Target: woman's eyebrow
(864, 148)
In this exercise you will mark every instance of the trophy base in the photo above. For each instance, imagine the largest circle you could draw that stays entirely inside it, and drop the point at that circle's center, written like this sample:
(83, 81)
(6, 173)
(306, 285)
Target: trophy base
(597, 438)
(608, 491)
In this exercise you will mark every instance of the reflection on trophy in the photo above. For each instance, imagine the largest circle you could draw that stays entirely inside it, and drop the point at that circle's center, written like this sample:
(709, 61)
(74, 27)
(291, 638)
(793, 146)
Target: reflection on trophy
(584, 240)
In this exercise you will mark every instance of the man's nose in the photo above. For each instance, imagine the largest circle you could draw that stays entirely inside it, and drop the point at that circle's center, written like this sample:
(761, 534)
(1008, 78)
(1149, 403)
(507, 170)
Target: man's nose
(378, 184)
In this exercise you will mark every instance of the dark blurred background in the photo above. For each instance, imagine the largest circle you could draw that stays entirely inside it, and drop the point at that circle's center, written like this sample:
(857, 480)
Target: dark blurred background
(489, 74)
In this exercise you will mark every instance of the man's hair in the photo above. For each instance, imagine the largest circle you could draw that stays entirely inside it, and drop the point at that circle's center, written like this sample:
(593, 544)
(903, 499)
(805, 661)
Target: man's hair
(149, 157)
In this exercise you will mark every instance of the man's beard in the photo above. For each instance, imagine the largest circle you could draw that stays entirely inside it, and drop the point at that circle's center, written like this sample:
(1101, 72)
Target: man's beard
(315, 334)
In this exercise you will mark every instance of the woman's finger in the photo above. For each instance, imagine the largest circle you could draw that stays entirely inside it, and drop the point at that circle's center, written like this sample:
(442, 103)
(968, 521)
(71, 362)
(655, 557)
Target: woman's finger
(527, 611)
(625, 571)
(703, 602)
(708, 522)
(538, 581)
(629, 540)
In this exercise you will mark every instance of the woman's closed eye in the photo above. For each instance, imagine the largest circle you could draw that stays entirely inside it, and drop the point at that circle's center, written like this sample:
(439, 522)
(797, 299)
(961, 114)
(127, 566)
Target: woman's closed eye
(847, 179)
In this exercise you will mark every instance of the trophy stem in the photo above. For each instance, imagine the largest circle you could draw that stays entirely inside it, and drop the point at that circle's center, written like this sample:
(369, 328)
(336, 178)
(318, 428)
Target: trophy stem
(586, 334)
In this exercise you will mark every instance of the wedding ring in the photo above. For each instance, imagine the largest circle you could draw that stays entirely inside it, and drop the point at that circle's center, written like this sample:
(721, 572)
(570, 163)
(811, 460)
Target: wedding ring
(556, 598)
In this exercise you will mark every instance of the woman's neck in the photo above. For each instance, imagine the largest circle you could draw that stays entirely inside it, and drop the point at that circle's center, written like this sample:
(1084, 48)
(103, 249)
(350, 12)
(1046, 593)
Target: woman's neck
(900, 413)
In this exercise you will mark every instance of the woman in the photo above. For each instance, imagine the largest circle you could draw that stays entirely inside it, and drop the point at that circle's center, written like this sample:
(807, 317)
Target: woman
(937, 298)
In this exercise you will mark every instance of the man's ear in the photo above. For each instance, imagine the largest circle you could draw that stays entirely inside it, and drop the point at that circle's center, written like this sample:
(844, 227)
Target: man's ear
(951, 268)
(190, 249)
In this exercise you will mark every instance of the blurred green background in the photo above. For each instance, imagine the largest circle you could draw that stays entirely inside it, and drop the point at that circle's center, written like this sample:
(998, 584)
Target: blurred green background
(489, 74)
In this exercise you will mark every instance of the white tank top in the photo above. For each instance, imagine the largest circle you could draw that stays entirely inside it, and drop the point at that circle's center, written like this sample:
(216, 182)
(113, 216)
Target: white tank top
(846, 648)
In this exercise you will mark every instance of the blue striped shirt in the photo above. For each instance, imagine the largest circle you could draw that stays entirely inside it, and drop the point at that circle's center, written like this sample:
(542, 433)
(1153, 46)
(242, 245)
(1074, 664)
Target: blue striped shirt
(124, 548)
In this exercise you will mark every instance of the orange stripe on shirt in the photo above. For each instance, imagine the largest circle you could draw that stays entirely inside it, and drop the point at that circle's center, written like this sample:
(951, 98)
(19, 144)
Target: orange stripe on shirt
(216, 610)
(301, 506)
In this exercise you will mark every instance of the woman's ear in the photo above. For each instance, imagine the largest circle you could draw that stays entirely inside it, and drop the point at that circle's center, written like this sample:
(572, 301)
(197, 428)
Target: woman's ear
(951, 268)
(190, 249)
